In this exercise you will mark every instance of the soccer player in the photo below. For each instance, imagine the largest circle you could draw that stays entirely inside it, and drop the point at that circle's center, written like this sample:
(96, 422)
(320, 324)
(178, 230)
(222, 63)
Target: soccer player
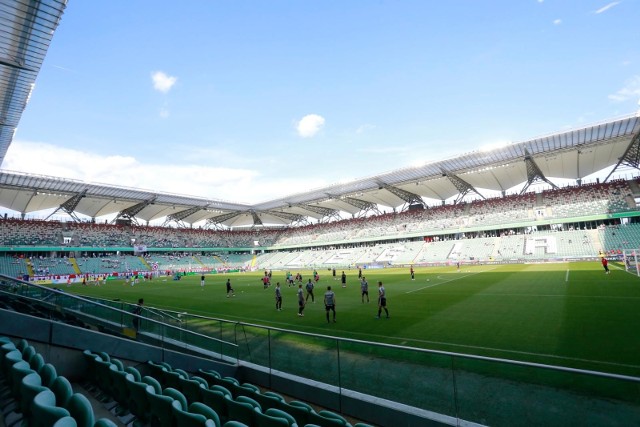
(605, 264)
(330, 303)
(413, 273)
(333, 273)
(278, 297)
(343, 279)
(382, 300)
(202, 282)
(137, 311)
(301, 301)
(310, 291)
(230, 289)
(364, 286)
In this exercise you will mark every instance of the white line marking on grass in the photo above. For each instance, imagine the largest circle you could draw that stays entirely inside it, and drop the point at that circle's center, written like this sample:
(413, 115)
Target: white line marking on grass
(577, 359)
(447, 281)
(566, 276)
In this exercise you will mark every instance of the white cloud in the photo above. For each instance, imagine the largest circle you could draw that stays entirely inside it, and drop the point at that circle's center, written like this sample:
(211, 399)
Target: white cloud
(557, 22)
(540, 1)
(607, 7)
(235, 184)
(310, 125)
(630, 90)
(162, 82)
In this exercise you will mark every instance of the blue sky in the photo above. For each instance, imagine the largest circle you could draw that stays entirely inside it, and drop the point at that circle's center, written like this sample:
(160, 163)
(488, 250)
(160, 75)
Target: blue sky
(250, 101)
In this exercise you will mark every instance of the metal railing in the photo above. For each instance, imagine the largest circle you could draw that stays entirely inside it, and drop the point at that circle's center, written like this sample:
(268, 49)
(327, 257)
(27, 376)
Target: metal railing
(156, 327)
(478, 389)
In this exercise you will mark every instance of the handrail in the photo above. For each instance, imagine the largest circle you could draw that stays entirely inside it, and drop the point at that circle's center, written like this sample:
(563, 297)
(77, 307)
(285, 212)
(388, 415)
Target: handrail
(76, 297)
(430, 351)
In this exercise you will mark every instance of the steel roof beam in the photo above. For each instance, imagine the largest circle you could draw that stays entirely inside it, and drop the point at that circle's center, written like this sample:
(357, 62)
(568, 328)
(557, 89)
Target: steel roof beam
(631, 156)
(534, 174)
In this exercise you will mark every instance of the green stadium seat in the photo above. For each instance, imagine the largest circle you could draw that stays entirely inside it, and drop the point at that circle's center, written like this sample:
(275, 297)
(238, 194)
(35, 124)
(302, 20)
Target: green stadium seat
(134, 372)
(44, 410)
(191, 389)
(291, 421)
(249, 400)
(266, 420)
(218, 401)
(22, 345)
(328, 419)
(36, 362)
(48, 374)
(185, 418)
(30, 387)
(242, 411)
(157, 368)
(138, 403)
(61, 387)
(201, 380)
(210, 375)
(28, 353)
(234, 424)
(105, 422)
(80, 409)
(202, 409)
(66, 422)
(160, 409)
(154, 383)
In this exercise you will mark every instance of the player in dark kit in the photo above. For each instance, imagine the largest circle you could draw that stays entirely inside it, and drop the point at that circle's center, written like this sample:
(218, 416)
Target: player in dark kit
(301, 301)
(382, 300)
(413, 273)
(278, 297)
(330, 303)
(309, 288)
(364, 287)
(230, 289)
(343, 279)
(605, 264)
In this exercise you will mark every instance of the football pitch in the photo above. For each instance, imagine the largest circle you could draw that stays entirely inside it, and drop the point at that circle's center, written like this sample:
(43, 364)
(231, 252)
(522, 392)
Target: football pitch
(567, 314)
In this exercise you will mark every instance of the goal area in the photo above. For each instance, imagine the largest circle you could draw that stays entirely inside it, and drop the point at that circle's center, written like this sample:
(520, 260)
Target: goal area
(630, 258)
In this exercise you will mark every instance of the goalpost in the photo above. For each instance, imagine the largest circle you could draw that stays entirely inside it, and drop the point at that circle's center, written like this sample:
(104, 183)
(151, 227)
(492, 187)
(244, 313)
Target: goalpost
(630, 259)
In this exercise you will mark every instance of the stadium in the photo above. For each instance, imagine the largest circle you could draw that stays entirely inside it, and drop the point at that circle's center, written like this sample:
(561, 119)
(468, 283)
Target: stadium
(511, 275)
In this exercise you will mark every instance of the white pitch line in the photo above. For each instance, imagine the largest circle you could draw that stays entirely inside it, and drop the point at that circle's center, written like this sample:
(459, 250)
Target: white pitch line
(447, 281)
(566, 276)
(528, 353)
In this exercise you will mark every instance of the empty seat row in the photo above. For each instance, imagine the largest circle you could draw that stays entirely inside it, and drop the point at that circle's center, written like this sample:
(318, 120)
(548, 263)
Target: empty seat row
(34, 394)
(170, 397)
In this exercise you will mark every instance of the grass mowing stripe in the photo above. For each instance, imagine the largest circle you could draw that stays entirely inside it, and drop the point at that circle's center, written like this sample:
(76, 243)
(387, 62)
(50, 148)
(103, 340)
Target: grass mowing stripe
(447, 281)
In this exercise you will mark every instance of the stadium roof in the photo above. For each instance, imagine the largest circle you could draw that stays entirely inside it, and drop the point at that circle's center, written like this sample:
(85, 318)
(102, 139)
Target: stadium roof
(27, 28)
(571, 154)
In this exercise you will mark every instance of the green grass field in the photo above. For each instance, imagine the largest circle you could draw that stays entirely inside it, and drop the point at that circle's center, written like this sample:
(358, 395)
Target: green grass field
(568, 314)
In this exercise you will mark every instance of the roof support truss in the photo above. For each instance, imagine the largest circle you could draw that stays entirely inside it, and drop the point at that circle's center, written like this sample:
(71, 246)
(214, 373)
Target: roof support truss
(364, 206)
(534, 174)
(218, 220)
(70, 205)
(631, 156)
(179, 216)
(294, 218)
(327, 213)
(256, 218)
(461, 185)
(408, 197)
(131, 212)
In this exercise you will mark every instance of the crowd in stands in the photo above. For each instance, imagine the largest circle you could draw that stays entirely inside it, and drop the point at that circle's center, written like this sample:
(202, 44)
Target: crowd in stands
(569, 202)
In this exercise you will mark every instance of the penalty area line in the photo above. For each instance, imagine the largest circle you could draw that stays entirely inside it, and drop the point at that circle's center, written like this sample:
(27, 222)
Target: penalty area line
(566, 276)
(447, 281)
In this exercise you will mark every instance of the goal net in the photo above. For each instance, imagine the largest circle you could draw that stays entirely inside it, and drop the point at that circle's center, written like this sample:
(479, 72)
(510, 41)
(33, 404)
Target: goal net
(631, 258)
